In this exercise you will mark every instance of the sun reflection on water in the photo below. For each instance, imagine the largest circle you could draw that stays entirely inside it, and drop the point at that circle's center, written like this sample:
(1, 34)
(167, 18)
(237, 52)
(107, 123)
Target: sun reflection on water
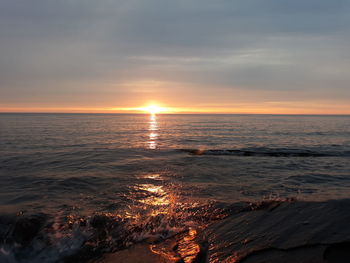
(152, 176)
(153, 135)
(164, 217)
(150, 197)
(156, 198)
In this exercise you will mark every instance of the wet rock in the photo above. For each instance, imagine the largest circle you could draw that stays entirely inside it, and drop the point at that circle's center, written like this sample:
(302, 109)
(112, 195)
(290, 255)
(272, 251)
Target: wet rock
(99, 221)
(337, 253)
(82, 222)
(6, 222)
(307, 254)
(203, 252)
(27, 228)
(265, 205)
(277, 232)
(85, 254)
(104, 221)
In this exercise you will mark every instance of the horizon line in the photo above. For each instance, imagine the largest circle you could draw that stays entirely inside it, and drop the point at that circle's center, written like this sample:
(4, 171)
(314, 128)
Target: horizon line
(178, 113)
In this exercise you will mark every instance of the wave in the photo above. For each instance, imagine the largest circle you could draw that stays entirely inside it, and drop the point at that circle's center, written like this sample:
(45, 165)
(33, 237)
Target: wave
(70, 238)
(265, 152)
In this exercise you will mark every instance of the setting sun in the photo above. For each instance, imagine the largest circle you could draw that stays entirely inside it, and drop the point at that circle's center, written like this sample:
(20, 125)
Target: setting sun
(153, 109)
(150, 108)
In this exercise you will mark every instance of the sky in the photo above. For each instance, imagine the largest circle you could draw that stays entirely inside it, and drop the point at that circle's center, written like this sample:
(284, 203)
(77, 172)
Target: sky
(222, 56)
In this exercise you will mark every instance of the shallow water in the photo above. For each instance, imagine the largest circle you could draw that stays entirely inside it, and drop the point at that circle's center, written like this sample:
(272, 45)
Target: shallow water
(169, 168)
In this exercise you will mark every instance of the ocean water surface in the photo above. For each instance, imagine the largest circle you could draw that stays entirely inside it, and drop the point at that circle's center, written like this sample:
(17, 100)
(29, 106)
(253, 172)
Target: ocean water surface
(71, 177)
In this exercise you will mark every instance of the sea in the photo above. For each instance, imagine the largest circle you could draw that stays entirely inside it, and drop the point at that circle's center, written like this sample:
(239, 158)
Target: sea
(77, 186)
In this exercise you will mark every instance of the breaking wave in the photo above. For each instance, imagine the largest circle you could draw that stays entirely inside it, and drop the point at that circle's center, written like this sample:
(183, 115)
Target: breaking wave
(41, 238)
(47, 238)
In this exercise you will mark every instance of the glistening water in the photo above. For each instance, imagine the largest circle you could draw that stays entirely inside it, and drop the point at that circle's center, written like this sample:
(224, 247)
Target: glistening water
(103, 182)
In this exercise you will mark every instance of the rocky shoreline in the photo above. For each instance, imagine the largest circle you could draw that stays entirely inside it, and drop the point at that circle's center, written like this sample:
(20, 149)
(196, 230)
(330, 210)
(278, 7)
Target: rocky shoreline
(273, 231)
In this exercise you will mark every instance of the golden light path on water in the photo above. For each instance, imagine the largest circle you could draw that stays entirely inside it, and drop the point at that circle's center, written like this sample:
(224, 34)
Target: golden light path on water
(155, 198)
(150, 199)
(153, 134)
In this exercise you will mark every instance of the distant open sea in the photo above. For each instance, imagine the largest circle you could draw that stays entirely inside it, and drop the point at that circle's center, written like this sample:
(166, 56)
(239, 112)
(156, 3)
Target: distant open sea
(70, 169)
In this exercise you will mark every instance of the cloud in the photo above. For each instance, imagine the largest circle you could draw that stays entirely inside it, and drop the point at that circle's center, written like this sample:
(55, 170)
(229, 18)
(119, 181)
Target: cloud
(93, 49)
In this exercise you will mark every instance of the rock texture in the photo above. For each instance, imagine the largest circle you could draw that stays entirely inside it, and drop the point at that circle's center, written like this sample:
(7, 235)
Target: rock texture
(265, 232)
(307, 232)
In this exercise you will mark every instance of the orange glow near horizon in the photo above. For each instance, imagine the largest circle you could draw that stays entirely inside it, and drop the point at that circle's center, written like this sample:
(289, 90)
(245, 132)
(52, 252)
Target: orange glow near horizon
(297, 107)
